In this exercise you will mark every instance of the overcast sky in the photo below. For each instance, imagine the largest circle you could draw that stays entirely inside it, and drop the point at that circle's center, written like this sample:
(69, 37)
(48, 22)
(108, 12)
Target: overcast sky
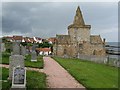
(50, 18)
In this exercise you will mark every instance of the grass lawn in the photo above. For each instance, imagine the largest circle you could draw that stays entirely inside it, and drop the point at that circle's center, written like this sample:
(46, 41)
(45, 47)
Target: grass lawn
(90, 74)
(38, 64)
(5, 58)
(34, 79)
(28, 63)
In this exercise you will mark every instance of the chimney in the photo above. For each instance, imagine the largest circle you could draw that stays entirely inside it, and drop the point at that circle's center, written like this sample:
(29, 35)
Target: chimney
(104, 41)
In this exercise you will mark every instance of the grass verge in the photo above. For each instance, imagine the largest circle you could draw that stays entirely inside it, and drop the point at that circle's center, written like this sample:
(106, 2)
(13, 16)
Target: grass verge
(38, 64)
(91, 75)
(34, 80)
(28, 63)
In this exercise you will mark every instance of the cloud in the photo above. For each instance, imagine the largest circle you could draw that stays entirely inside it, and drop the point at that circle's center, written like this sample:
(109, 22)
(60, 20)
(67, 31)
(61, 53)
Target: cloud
(48, 19)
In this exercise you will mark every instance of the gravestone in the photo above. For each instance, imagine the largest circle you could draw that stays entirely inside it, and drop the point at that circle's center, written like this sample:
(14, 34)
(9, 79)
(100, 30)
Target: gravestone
(19, 77)
(33, 47)
(23, 50)
(14, 61)
(16, 48)
(2, 47)
(118, 63)
(33, 54)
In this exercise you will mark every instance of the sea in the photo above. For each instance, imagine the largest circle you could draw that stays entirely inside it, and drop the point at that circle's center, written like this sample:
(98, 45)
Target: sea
(117, 48)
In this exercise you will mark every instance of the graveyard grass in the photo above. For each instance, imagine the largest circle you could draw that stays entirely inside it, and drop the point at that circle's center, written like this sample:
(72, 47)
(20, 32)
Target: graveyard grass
(89, 74)
(28, 63)
(34, 79)
(5, 57)
(38, 64)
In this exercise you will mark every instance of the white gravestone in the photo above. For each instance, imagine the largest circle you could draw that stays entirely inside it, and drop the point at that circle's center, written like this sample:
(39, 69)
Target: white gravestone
(19, 77)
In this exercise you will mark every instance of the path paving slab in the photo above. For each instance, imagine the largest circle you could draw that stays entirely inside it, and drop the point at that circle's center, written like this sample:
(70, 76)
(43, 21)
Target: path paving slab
(57, 76)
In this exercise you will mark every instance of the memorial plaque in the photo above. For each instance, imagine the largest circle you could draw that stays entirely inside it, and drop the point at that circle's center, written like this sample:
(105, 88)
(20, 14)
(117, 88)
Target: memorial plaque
(19, 75)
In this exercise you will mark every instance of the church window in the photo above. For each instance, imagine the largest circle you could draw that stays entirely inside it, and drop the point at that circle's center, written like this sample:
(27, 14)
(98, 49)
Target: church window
(81, 45)
(65, 51)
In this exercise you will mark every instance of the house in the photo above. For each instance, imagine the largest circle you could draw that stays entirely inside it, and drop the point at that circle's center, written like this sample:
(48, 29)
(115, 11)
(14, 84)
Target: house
(37, 39)
(31, 40)
(26, 39)
(9, 38)
(17, 38)
(52, 40)
(44, 51)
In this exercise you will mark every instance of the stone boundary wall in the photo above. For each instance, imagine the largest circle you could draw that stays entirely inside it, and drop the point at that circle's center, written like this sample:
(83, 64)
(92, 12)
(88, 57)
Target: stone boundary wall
(97, 59)
(100, 59)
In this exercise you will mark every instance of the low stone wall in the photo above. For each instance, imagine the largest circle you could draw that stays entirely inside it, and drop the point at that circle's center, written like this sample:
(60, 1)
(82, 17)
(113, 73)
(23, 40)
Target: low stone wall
(101, 59)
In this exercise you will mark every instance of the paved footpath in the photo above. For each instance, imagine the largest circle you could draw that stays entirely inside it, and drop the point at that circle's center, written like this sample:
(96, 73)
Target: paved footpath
(28, 68)
(57, 76)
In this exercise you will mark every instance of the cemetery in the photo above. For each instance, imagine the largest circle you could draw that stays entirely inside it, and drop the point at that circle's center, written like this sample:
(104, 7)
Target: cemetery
(17, 76)
(19, 59)
(82, 71)
(35, 63)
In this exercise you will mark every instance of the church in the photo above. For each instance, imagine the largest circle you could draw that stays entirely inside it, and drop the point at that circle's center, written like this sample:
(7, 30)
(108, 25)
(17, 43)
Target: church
(79, 41)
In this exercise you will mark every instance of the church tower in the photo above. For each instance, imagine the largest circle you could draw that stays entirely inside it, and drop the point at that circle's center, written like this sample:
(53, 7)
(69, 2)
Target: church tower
(78, 31)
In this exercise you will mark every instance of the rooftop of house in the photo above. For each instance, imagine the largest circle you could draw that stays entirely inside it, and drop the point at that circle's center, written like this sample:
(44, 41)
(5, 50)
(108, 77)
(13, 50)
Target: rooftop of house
(17, 37)
(43, 49)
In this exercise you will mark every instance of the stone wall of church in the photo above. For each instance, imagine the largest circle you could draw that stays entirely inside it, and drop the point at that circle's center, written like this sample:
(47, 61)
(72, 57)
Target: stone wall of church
(93, 49)
(65, 50)
(80, 34)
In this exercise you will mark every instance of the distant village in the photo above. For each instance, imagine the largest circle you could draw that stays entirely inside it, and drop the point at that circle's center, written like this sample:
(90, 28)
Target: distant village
(43, 46)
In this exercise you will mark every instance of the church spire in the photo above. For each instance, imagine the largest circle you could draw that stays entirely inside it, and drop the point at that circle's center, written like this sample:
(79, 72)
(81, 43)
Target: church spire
(78, 19)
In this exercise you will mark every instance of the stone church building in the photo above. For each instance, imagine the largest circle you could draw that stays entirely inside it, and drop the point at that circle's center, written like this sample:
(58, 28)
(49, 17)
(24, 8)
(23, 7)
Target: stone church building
(79, 41)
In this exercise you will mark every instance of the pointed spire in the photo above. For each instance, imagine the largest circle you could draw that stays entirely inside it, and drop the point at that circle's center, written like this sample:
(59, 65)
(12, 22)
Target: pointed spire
(78, 19)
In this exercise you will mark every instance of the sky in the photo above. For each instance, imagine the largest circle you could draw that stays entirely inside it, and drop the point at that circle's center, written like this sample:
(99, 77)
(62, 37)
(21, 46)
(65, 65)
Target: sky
(46, 19)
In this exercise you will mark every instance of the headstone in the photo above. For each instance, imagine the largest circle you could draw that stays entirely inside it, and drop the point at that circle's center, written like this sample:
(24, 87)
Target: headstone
(33, 47)
(19, 77)
(14, 61)
(2, 47)
(23, 50)
(33, 56)
(118, 63)
(16, 48)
